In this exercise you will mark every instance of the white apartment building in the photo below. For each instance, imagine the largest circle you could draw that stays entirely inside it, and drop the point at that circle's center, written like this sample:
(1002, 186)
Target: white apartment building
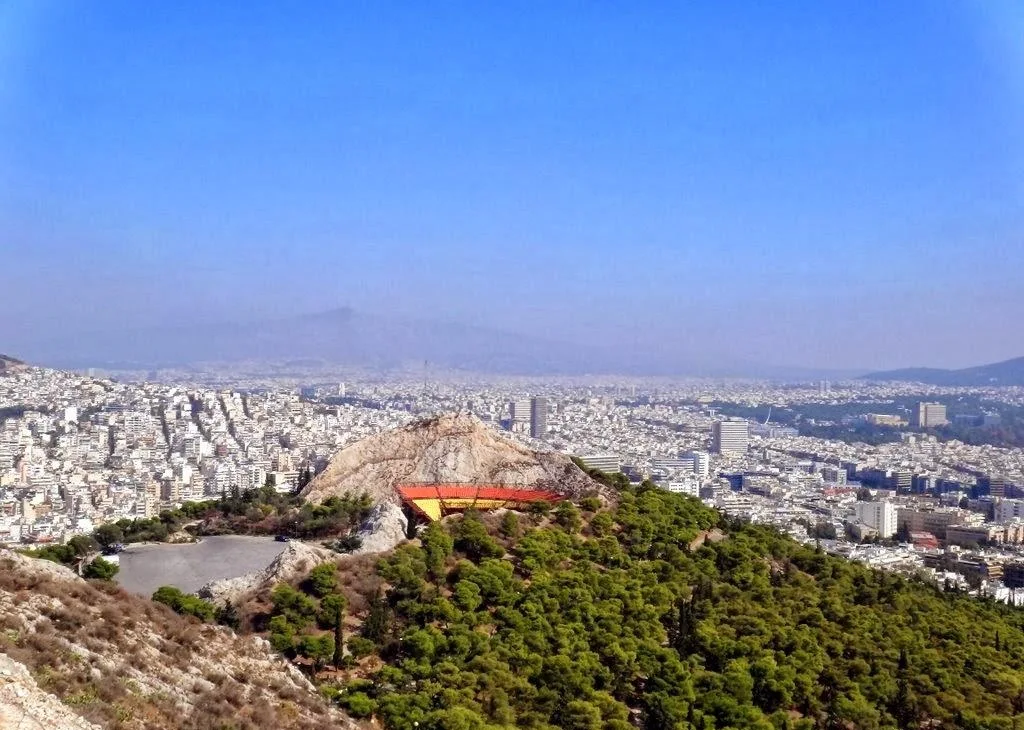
(1007, 510)
(880, 516)
(690, 487)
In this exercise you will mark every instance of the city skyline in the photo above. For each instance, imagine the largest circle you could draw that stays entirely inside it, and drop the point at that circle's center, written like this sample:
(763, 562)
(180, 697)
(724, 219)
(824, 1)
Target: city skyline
(823, 186)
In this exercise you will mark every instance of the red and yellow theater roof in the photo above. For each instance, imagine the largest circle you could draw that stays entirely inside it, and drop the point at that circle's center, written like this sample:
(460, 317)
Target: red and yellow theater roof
(433, 501)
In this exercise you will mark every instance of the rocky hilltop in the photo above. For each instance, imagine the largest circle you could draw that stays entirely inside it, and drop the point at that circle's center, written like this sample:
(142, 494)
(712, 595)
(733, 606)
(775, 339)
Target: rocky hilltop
(449, 448)
(9, 365)
(118, 660)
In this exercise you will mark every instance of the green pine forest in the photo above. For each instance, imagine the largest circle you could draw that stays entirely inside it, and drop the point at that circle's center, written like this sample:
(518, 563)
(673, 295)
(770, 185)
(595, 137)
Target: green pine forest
(594, 618)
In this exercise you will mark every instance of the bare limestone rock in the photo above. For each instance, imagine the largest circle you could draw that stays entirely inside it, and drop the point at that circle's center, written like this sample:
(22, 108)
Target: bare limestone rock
(39, 567)
(23, 705)
(383, 529)
(450, 448)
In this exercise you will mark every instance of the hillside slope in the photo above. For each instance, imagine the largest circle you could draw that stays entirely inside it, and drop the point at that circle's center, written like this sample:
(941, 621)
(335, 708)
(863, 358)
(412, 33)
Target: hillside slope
(23, 705)
(450, 448)
(624, 618)
(10, 365)
(1008, 372)
(121, 661)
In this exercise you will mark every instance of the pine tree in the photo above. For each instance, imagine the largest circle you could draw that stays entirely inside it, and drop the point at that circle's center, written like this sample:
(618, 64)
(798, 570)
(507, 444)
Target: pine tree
(903, 705)
(339, 634)
(375, 627)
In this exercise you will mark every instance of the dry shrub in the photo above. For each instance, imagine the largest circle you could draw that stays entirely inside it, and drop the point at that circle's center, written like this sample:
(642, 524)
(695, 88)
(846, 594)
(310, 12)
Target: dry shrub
(263, 716)
(67, 621)
(233, 695)
(215, 677)
(105, 631)
(45, 643)
(112, 613)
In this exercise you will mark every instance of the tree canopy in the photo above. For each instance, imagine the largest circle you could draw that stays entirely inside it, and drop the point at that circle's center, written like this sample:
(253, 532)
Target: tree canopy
(607, 619)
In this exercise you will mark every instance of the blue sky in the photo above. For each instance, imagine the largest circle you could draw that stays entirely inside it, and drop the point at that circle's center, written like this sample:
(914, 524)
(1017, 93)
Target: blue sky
(828, 184)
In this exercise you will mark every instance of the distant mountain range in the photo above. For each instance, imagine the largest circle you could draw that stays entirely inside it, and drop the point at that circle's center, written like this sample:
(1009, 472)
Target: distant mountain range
(349, 337)
(1008, 372)
(338, 337)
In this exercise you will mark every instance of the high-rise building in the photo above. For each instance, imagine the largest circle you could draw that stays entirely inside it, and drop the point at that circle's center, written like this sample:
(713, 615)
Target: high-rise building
(520, 410)
(880, 516)
(538, 417)
(901, 481)
(1013, 575)
(992, 485)
(730, 436)
(701, 463)
(929, 415)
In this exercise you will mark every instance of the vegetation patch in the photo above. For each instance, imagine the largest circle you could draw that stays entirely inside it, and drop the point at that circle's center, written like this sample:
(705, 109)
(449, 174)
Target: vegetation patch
(607, 619)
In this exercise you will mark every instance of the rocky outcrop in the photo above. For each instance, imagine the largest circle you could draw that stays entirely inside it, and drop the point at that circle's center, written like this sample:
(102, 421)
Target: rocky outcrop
(23, 705)
(295, 561)
(120, 660)
(450, 448)
(383, 529)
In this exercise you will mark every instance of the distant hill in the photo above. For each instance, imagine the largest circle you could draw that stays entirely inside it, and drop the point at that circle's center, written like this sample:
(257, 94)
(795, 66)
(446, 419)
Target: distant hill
(350, 337)
(1008, 372)
(10, 364)
(339, 337)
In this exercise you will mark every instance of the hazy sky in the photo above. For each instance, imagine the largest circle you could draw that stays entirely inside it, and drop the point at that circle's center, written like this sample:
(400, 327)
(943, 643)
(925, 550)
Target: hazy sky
(807, 183)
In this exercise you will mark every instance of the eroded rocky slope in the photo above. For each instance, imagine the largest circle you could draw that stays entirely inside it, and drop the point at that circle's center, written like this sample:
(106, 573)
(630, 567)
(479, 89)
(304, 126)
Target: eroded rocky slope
(121, 661)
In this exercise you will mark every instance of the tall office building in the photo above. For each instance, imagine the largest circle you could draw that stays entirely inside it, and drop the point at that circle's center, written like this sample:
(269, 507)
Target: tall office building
(730, 436)
(521, 410)
(538, 417)
(929, 415)
(992, 485)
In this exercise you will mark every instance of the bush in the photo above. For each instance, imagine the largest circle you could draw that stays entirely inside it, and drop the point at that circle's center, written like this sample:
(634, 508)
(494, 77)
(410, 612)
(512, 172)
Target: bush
(185, 604)
(319, 649)
(298, 608)
(100, 569)
(357, 704)
(108, 535)
(359, 646)
(323, 579)
(471, 538)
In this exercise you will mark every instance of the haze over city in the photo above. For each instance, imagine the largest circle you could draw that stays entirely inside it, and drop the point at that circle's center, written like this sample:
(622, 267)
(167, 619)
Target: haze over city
(479, 366)
(830, 186)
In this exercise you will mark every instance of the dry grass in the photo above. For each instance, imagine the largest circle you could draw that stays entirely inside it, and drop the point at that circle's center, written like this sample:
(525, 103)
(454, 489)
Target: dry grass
(107, 654)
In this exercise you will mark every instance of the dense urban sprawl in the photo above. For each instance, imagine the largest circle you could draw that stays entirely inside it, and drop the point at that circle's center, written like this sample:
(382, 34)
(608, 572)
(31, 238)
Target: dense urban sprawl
(78, 451)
